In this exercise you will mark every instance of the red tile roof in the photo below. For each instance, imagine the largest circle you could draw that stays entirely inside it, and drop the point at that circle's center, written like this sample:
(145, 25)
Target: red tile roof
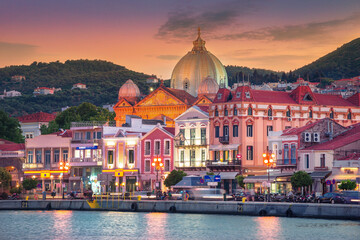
(299, 130)
(222, 95)
(37, 117)
(352, 156)
(65, 133)
(6, 145)
(170, 130)
(354, 99)
(182, 95)
(204, 108)
(332, 100)
(350, 136)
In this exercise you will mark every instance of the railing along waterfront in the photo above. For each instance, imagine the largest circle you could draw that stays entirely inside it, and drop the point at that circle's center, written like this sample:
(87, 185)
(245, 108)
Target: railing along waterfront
(93, 124)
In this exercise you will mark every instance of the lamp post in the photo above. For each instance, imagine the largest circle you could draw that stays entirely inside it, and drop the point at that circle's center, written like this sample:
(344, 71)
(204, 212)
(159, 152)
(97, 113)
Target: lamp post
(66, 167)
(158, 165)
(268, 160)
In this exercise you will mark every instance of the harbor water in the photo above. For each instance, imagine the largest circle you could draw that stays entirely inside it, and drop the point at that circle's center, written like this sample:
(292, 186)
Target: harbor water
(135, 225)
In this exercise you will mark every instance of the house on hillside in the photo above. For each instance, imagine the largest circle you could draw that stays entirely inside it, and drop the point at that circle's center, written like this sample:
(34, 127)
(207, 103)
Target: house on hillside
(11, 93)
(79, 85)
(31, 123)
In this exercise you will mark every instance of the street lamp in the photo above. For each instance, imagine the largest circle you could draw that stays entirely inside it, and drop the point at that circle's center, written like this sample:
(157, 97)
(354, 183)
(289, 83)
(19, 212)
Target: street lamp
(66, 167)
(269, 160)
(158, 165)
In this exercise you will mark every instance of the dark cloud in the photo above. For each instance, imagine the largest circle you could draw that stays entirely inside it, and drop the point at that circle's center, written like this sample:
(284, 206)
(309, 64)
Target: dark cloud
(308, 31)
(11, 53)
(183, 23)
(168, 57)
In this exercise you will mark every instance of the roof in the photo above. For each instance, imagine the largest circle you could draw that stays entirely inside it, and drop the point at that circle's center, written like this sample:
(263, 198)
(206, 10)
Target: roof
(204, 108)
(37, 117)
(6, 145)
(299, 130)
(352, 156)
(182, 95)
(44, 88)
(343, 139)
(63, 133)
(355, 99)
(320, 174)
(170, 130)
(79, 84)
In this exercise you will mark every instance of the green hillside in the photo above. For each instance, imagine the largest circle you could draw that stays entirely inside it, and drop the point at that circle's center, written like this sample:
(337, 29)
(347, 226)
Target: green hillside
(103, 80)
(344, 62)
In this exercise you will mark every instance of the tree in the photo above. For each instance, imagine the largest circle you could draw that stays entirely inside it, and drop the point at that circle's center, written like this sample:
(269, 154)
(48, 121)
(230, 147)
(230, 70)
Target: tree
(240, 180)
(17, 190)
(300, 179)
(10, 128)
(5, 178)
(30, 183)
(347, 185)
(174, 177)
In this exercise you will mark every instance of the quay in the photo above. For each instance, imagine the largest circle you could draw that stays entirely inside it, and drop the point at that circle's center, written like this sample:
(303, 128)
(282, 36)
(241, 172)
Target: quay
(303, 210)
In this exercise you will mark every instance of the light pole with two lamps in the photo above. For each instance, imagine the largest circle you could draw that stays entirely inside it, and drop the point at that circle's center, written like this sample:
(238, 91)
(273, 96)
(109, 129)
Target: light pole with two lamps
(268, 159)
(157, 163)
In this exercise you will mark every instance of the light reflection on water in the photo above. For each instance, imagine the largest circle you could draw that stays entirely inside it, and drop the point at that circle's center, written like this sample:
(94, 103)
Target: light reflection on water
(128, 225)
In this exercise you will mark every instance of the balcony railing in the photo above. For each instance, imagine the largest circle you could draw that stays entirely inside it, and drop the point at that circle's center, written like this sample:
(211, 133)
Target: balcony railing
(191, 142)
(86, 141)
(224, 139)
(93, 124)
(86, 159)
(190, 164)
(321, 168)
(32, 165)
(285, 162)
(210, 163)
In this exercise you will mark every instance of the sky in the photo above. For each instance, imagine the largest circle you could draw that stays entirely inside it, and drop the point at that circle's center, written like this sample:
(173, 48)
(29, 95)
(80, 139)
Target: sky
(151, 36)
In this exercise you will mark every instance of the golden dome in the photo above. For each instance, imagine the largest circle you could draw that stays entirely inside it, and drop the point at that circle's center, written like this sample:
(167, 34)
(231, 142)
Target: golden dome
(208, 86)
(129, 89)
(195, 66)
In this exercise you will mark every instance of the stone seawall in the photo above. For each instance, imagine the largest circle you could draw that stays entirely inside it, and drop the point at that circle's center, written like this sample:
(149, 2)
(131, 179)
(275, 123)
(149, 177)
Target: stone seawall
(336, 211)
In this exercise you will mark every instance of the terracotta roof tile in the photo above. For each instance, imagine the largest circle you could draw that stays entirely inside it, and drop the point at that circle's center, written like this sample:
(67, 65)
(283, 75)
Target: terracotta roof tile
(37, 117)
(6, 145)
(170, 130)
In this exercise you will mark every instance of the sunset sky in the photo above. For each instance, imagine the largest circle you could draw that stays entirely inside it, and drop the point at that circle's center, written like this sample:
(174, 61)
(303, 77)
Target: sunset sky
(151, 36)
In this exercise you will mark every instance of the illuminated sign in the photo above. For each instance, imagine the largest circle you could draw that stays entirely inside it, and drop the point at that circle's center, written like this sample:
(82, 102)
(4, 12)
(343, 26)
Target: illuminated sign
(83, 148)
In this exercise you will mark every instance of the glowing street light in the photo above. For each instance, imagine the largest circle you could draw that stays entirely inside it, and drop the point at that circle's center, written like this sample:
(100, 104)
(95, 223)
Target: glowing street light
(157, 163)
(269, 160)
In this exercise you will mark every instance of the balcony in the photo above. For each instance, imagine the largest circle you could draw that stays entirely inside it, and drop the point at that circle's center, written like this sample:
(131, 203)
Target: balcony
(192, 142)
(321, 168)
(224, 140)
(86, 162)
(190, 165)
(223, 166)
(285, 163)
(84, 141)
(33, 166)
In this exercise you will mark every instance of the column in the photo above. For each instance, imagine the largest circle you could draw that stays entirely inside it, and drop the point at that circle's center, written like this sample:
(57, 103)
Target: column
(43, 184)
(117, 184)
(123, 186)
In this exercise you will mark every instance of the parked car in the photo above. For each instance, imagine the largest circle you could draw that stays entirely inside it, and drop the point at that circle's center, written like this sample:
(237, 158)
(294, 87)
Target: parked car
(240, 195)
(352, 197)
(331, 197)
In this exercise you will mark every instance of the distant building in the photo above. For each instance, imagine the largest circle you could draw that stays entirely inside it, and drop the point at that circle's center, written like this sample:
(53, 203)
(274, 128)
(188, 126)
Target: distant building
(152, 80)
(45, 91)
(30, 124)
(79, 85)
(12, 93)
(18, 78)
(109, 107)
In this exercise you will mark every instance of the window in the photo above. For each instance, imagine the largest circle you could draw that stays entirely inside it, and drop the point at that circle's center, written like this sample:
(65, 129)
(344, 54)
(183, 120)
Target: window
(182, 157)
(96, 135)
(235, 130)
(77, 136)
(322, 160)
(270, 112)
(111, 157)
(203, 154)
(38, 156)
(235, 111)
(287, 127)
(131, 157)
(147, 165)
(77, 153)
(234, 156)
(192, 136)
(349, 115)
(147, 147)
(269, 129)
(47, 157)
(88, 135)
(167, 165)
(182, 133)
(250, 111)
(219, 96)
(30, 156)
(238, 94)
(65, 155)
(87, 153)
(226, 155)
(157, 148)
(217, 155)
(217, 131)
(288, 113)
(249, 153)
(249, 130)
(56, 155)
(29, 135)
(331, 114)
(203, 136)
(216, 112)
(286, 154)
(192, 157)
(293, 154)
(226, 112)
(247, 94)
(167, 147)
(310, 113)
(307, 161)
(226, 131)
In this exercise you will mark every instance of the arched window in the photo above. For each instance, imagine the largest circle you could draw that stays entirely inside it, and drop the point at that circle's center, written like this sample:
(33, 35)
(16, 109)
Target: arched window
(216, 112)
(226, 112)
(270, 112)
(310, 113)
(250, 111)
(288, 113)
(349, 115)
(331, 115)
(235, 111)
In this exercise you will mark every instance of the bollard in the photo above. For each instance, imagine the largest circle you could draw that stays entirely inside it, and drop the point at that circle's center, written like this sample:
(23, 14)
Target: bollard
(243, 199)
(139, 198)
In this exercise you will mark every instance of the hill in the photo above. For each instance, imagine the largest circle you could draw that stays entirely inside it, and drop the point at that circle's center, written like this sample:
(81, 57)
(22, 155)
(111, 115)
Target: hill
(344, 62)
(103, 80)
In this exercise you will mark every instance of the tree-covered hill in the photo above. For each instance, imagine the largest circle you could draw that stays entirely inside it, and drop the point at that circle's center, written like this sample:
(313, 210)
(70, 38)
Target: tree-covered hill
(103, 80)
(344, 62)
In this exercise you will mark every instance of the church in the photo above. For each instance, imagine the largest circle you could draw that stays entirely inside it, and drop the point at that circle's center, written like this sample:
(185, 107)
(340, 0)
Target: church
(195, 81)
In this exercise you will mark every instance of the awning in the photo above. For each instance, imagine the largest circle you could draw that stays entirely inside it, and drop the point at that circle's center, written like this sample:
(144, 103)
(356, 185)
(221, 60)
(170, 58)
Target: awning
(320, 174)
(258, 179)
(228, 175)
(341, 177)
(222, 147)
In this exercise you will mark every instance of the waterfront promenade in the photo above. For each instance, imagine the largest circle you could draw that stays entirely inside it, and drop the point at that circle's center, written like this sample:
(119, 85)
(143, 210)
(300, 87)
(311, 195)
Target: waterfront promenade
(306, 210)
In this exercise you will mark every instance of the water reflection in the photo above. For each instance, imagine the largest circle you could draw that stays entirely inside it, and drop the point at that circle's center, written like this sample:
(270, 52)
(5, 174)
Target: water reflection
(268, 227)
(156, 225)
(62, 224)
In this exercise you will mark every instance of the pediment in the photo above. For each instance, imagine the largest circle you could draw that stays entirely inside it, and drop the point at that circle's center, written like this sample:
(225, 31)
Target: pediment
(203, 100)
(122, 103)
(159, 98)
(192, 114)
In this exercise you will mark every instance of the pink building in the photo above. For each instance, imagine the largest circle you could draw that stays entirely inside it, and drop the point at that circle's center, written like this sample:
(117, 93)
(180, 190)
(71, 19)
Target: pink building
(156, 144)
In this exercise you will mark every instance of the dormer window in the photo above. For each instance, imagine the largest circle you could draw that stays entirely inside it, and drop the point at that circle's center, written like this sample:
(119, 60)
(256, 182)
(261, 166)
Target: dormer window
(238, 94)
(235, 111)
(247, 94)
(307, 97)
(226, 112)
(349, 115)
(270, 112)
(331, 115)
(219, 96)
(250, 111)
(310, 113)
(288, 113)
